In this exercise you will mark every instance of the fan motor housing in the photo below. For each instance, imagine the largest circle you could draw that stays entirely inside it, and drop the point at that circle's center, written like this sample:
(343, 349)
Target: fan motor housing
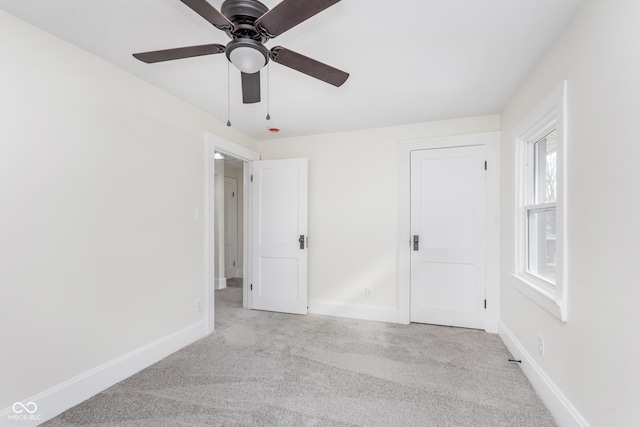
(243, 14)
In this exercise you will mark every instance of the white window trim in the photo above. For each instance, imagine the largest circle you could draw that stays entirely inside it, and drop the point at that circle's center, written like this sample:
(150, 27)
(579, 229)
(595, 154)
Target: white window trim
(552, 111)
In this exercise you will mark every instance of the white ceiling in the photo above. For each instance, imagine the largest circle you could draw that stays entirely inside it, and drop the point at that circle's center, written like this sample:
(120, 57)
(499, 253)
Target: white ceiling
(410, 61)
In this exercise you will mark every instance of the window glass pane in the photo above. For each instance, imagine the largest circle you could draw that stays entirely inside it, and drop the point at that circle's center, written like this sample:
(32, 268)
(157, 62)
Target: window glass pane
(545, 153)
(541, 255)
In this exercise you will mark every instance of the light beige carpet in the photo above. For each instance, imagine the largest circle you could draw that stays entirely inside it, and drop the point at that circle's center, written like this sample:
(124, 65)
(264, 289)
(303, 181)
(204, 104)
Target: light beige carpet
(272, 369)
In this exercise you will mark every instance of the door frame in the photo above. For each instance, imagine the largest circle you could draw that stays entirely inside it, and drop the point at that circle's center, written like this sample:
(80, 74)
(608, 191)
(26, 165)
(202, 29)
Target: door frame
(215, 143)
(491, 141)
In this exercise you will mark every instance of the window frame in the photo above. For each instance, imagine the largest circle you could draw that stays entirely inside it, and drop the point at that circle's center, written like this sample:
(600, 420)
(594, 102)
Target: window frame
(547, 116)
(530, 204)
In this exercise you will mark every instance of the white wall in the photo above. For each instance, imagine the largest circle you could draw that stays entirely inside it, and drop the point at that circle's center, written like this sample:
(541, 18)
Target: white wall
(100, 177)
(592, 358)
(353, 210)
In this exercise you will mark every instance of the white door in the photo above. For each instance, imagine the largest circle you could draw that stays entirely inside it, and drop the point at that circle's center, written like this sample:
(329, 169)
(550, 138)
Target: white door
(230, 227)
(448, 236)
(279, 231)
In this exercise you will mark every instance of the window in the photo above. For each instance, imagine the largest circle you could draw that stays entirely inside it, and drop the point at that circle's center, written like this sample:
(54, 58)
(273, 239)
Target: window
(540, 207)
(539, 215)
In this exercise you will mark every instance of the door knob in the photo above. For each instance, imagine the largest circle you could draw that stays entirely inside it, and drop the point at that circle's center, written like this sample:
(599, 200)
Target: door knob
(301, 241)
(416, 242)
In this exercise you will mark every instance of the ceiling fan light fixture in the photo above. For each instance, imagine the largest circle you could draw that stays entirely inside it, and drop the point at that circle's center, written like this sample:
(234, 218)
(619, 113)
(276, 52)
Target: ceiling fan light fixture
(247, 55)
(250, 24)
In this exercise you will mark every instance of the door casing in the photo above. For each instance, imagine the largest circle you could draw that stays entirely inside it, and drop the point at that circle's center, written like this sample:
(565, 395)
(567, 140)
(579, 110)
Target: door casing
(215, 143)
(491, 141)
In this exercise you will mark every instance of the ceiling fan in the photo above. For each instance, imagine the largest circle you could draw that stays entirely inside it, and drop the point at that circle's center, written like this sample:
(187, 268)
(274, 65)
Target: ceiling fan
(250, 24)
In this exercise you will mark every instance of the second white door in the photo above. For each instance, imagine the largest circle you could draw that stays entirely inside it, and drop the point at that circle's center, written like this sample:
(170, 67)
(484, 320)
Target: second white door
(448, 236)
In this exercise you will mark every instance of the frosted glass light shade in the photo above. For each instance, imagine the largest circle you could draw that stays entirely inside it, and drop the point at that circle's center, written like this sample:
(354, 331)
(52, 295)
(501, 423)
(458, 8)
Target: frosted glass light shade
(247, 59)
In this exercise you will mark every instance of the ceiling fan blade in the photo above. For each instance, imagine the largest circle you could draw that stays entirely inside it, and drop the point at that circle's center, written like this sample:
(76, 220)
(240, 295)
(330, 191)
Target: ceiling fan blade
(250, 88)
(210, 13)
(289, 13)
(179, 53)
(309, 66)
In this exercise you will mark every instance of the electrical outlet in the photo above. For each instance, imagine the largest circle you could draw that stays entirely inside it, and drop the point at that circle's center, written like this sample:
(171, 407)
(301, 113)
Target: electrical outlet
(198, 304)
(541, 345)
(367, 293)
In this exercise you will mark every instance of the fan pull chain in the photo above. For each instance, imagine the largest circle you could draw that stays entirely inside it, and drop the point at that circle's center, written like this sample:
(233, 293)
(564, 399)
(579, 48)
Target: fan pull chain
(268, 116)
(228, 95)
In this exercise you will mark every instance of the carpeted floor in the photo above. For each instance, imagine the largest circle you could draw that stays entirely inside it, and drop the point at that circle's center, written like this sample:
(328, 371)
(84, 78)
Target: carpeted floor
(272, 369)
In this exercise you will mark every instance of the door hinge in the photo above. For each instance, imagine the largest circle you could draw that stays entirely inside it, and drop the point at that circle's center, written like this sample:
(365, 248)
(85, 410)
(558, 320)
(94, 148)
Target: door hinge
(485, 165)
(234, 263)
(485, 304)
(233, 194)
(251, 288)
(251, 178)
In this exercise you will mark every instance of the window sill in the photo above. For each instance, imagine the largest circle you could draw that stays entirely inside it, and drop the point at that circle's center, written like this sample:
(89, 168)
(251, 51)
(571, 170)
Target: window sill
(540, 296)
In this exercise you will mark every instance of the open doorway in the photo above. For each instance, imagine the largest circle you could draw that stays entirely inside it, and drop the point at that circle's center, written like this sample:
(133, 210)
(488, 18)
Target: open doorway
(230, 215)
(237, 166)
(228, 220)
(274, 229)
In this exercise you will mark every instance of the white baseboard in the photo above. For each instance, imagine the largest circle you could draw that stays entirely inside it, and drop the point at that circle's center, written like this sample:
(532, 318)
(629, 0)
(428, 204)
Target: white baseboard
(220, 284)
(354, 311)
(233, 273)
(63, 396)
(565, 413)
